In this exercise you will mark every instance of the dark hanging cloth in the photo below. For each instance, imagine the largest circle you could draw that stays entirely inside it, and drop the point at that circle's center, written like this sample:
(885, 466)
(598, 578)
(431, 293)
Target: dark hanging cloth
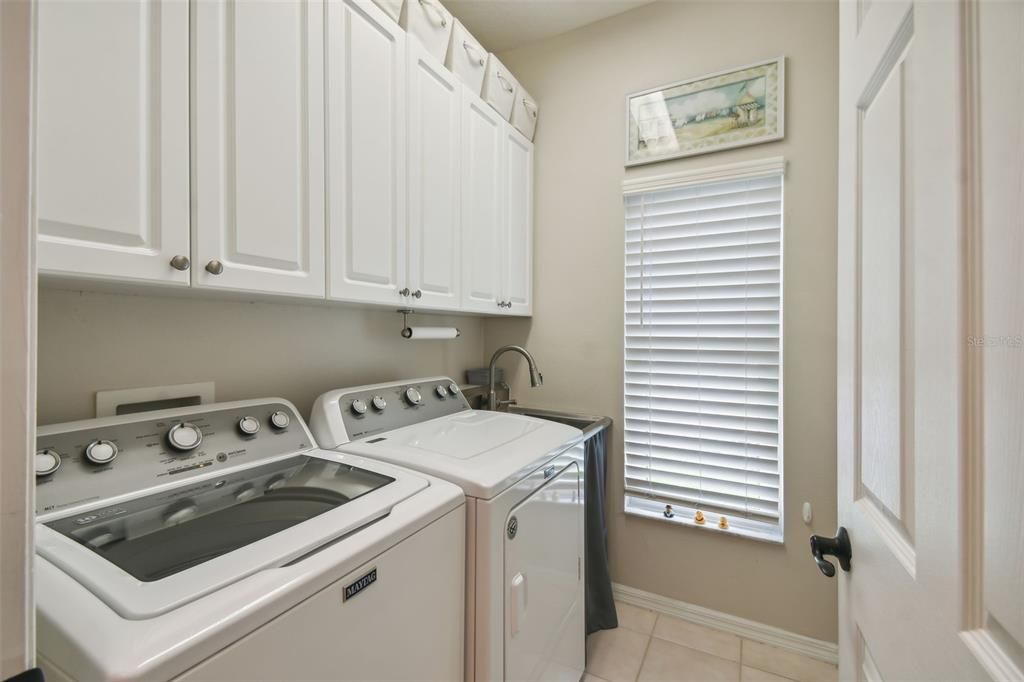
(600, 604)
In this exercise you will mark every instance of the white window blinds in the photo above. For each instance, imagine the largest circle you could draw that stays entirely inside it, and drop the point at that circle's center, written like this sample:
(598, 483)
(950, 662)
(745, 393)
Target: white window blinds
(702, 346)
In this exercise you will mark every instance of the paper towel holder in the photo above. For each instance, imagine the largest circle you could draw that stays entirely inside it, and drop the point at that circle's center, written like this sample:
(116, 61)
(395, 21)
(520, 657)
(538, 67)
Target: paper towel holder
(407, 330)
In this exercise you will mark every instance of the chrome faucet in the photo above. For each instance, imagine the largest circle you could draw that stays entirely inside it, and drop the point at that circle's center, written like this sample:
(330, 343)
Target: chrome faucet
(536, 378)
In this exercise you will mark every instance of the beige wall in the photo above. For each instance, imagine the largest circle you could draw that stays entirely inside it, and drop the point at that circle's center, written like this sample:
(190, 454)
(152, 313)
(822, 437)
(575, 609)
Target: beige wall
(580, 80)
(93, 341)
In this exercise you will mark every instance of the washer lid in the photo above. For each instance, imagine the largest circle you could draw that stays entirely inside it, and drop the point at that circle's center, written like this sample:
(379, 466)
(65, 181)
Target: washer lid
(147, 554)
(483, 452)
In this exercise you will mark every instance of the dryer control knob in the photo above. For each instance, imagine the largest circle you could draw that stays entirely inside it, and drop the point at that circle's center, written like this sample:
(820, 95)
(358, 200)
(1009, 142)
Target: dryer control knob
(47, 462)
(441, 392)
(453, 389)
(184, 436)
(246, 493)
(280, 420)
(249, 426)
(359, 406)
(412, 396)
(100, 452)
(379, 403)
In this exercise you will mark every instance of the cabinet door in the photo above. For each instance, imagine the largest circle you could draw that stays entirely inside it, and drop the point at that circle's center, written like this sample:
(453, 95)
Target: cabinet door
(365, 154)
(517, 235)
(112, 181)
(258, 140)
(433, 181)
(482, 197)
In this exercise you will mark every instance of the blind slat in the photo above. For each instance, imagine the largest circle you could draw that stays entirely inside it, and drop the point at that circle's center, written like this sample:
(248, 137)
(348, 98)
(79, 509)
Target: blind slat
(702, 329)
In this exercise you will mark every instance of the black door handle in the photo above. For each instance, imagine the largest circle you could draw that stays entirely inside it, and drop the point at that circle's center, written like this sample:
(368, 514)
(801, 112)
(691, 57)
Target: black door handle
(839, 547)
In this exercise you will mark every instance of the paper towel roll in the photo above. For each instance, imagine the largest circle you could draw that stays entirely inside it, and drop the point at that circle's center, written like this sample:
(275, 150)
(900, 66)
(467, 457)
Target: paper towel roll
(427, 333)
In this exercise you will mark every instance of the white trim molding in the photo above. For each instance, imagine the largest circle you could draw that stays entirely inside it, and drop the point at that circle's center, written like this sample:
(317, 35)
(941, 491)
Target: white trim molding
(748, 629)
(731, 171)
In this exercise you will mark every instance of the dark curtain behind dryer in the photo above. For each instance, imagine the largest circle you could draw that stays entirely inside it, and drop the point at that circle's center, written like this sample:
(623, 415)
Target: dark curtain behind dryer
(600, 604)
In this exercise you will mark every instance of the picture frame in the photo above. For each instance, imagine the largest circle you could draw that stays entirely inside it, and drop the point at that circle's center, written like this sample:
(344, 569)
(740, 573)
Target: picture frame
(732, 108)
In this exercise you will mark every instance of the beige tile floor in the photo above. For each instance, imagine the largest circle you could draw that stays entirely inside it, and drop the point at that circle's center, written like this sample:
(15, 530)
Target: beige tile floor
(651, 647)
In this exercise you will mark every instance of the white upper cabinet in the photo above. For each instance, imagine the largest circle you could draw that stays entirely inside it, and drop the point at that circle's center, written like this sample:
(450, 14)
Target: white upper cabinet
(517, 236)
(483, 137)
(366, 154)
(112, 139)
(433, 181)
(258, 146)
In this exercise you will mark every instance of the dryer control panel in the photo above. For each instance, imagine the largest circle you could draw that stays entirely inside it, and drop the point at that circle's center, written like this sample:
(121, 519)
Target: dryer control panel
(96, 459)
(369, 410)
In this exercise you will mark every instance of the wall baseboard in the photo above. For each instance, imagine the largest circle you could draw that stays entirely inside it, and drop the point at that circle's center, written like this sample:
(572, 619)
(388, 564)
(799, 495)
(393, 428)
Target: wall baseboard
(749, 629)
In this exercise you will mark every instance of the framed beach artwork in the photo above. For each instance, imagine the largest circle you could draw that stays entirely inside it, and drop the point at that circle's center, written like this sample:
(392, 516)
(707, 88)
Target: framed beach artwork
(722, 110)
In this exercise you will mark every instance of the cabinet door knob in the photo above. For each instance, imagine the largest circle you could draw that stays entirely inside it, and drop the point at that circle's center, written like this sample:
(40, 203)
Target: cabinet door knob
(404, 292)
(417, 294)
(180, 263)
(215, 267)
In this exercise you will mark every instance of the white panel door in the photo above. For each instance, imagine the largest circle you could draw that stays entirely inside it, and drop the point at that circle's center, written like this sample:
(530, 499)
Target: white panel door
(258, 146)
(929, 388)
(544, 582)
(433, 181)
(111, 121)
(366, 230)
(483, 132)
(516, 251)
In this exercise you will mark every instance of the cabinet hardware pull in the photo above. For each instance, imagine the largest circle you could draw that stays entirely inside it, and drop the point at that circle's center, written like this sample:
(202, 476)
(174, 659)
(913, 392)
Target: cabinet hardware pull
(426, 4)
(215, 267)
(504, 83)
(404, 292)
(417, 293)
(471, 50)
(180, 263)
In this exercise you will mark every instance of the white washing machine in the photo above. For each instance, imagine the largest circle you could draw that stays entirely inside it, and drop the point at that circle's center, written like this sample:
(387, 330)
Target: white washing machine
(217, 543)
(523, 478)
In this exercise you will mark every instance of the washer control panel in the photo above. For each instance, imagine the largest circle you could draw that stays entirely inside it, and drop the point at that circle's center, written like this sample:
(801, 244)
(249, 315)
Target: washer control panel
(367, 412)
(90, 460)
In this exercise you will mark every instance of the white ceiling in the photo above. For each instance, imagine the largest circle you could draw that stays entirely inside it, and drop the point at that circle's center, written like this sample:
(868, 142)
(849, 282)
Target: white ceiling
(504, 24)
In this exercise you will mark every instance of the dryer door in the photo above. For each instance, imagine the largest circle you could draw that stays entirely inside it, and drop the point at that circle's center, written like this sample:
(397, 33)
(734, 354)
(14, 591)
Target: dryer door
(544, 637)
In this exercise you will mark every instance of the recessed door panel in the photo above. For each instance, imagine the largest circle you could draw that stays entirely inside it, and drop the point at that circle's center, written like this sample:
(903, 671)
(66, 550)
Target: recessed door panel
(517, 238)
(482, 204)
(543, 579)
(434, 162)
(366, 154)
(258, 140)
(112, 139)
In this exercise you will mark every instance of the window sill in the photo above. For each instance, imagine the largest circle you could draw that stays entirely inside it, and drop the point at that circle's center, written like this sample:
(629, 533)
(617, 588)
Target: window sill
(683, 516)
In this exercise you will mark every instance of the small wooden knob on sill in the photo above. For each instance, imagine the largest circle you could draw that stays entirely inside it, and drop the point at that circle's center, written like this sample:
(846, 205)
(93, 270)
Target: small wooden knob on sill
(698, 518)
(723, 522)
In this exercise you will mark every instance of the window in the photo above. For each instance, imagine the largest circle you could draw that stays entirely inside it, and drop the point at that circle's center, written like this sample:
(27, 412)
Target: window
(703, 415)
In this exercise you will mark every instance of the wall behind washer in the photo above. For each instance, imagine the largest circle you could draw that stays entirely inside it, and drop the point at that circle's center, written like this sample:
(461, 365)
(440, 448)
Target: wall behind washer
(580, 80)
(93, 341)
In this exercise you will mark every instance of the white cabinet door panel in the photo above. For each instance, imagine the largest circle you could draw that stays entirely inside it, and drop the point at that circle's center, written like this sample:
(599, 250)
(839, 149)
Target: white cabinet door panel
(258, 141)
(517, 236)
(366, 153)
(112, 139)
(482, 197)
(433, 182)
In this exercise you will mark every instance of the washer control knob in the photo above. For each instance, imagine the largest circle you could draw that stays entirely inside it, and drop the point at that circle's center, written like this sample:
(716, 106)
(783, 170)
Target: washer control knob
(47, 462)
(359, 406)
(441, 392)
(249, 426)
(100, 452)
(181, 513)
(246, 493)
(184, 436)
(280, 420)
(379, 403)
(276, 482)
(453, 388)
(412, 396)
